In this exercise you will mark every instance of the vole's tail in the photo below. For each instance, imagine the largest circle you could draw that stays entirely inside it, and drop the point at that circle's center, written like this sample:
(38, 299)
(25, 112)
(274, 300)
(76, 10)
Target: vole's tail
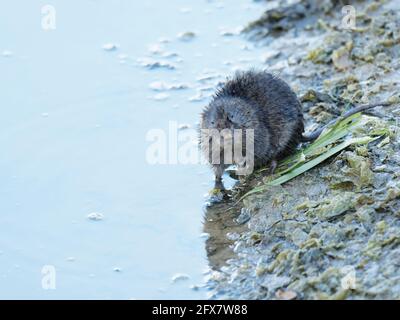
(315, 134)
(310, 137)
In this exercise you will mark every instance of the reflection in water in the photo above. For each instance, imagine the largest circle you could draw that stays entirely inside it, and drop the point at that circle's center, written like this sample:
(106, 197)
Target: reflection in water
(220, 222)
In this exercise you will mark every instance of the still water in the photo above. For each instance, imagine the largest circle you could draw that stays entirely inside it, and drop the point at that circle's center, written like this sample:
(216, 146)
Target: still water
(77, 103)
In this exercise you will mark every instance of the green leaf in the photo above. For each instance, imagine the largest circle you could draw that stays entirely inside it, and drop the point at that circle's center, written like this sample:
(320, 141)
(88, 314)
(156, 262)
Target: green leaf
(297, 164)
(312, 163)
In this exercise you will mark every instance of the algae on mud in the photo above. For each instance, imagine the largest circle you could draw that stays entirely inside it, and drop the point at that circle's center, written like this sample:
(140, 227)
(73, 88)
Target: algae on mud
(333, 231)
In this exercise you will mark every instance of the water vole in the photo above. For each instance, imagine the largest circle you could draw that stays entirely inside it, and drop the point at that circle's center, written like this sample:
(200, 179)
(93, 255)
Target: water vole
(259, 101)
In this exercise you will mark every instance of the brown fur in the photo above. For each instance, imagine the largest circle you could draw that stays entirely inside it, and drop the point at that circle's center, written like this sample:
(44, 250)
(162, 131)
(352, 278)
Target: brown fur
(259, 101)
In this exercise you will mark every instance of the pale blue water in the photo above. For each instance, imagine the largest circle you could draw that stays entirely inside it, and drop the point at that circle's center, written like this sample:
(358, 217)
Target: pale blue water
(72, 137)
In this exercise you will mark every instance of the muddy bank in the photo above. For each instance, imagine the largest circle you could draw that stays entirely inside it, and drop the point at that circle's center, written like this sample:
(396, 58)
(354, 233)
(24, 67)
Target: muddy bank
(334, 231)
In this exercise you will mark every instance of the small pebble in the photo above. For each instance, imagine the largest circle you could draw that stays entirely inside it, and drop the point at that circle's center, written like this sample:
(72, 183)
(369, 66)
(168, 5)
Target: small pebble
(198, 97)
(170, 55)
(204, 235)
(285, 294)
(179, 277)
(207, 77)
(206, 89)
(243, 217)
(183, 126)
(155, 64)
(95, 216)
(195, 287)
(158, 86)
(237, 247)
(232, 236)
(207, 270)
(164, 40)
(226, 33)
(381, 168)
(230, 32)
(186, 36)
(271, 54)
(110, 47)
(161, 86)
(178, 86)
(155, 48)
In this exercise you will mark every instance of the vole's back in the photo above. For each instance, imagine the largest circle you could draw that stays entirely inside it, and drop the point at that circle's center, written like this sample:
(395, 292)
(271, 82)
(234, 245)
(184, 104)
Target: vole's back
(278, 112)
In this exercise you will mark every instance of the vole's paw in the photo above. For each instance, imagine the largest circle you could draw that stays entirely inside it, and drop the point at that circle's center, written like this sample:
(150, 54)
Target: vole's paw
(273, 166)
(218, 195)
(215, 191)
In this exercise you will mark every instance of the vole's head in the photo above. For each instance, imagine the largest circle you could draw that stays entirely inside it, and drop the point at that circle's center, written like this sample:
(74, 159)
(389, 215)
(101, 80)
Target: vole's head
(227, 113)
(223, 128)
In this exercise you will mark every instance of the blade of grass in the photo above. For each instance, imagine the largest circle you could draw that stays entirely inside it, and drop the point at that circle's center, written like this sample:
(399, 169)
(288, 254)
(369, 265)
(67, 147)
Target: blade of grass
(310, 164)
(327, 137)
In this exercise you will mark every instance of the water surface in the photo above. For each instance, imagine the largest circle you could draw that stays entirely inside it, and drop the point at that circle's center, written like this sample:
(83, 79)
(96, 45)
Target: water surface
(72, 134)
